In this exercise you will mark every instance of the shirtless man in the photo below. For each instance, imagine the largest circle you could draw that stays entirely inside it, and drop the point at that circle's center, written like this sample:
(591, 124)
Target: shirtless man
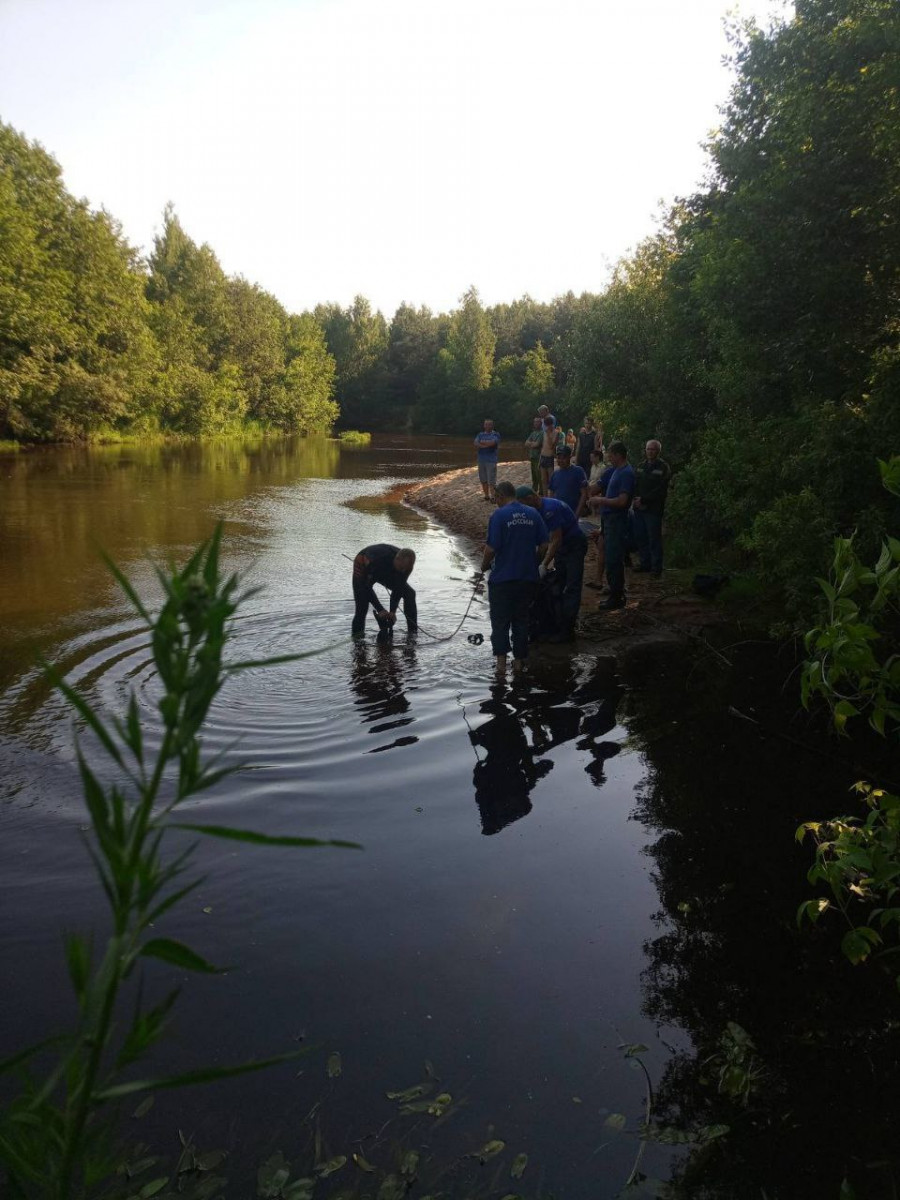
(547, 460)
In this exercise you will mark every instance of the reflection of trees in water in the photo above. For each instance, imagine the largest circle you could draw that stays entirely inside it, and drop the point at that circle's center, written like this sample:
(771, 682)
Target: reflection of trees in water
(378, 678)
(512, 763)
(730, 877)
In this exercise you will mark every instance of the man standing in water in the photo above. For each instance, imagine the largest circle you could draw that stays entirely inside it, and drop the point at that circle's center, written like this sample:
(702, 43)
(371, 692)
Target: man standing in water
(516, 537)
(391, 568)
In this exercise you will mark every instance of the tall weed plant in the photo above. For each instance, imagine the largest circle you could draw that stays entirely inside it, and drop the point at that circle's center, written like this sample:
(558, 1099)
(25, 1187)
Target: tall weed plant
(57, 1134)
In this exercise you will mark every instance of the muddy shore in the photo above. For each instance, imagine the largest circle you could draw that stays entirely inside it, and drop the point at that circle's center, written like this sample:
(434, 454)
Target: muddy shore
(659, 612)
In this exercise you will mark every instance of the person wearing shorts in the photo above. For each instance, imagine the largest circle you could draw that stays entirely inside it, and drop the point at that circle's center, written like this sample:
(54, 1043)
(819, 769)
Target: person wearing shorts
(487, 443)
(547, 460)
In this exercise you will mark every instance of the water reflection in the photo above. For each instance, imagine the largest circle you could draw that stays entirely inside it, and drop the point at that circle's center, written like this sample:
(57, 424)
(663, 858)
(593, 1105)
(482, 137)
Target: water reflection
(723, 805)
(524, 725)
(505, 776)
(379, 675)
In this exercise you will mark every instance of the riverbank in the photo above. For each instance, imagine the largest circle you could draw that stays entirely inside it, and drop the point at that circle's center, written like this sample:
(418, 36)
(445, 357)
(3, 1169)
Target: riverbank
(658, 611)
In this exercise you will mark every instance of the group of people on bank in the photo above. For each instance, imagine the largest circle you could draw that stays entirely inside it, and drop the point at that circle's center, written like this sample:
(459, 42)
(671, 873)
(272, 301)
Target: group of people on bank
(546, 526)
(538, 536)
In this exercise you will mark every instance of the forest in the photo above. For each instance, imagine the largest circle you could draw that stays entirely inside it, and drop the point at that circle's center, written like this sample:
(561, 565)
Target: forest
(756, 333)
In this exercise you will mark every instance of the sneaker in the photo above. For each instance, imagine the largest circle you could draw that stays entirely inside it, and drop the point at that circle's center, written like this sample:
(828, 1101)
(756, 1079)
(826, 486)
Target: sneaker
(611, 603)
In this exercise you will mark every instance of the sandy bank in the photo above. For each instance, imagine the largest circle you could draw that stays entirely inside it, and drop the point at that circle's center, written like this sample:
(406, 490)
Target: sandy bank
(658, 612)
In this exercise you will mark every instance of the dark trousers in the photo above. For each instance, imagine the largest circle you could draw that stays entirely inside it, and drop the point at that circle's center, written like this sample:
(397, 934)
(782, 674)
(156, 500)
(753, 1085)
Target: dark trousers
(510, 604)
(648, 535)
(615, 535)
(361, 596)
(569, 562)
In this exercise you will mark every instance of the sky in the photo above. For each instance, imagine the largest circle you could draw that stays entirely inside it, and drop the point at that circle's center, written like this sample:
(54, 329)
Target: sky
(401, 149)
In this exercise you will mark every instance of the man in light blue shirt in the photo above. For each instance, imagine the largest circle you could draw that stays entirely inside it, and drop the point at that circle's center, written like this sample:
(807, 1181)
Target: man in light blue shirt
(487, 443)
(516, 537)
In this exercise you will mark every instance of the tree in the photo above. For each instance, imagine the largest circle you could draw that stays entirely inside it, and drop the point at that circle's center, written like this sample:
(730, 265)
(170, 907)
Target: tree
(358, 340)
(75, 351)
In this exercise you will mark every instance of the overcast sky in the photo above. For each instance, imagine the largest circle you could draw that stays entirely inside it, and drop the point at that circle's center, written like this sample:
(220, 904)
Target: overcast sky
(404, 149)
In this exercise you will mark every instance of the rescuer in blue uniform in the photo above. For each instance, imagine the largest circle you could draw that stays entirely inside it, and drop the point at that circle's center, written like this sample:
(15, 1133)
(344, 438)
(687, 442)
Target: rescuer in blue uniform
(516, 536)
(566, 551)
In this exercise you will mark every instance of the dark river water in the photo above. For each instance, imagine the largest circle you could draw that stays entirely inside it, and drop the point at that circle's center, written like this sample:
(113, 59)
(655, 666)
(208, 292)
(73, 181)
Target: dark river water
(523, 903)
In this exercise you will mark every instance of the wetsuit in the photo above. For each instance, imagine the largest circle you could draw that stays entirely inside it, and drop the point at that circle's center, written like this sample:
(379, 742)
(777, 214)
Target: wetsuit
(374, 565)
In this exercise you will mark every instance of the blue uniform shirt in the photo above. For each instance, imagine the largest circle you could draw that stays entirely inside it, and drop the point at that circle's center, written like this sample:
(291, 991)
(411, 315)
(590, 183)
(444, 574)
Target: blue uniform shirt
(487, 444)
(514, 533)
(567, 483)
(558, 515)
(621, 480)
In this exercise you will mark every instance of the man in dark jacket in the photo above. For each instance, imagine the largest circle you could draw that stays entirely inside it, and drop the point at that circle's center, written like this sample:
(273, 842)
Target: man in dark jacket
(651, 489)
(391, 568)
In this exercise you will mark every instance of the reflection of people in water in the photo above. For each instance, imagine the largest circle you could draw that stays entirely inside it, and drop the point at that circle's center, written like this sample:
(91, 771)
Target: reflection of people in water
(378, 679)
(511, 766)
(508, 771)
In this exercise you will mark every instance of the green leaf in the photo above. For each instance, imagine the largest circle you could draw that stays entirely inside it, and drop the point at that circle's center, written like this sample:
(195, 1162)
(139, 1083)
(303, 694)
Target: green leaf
(210, 1160)
(14, 1060)
(125, 584)
(330, 1167)
(616, 1122)
(490, 1150)
(78, 960)
(272, 1176)
(363, 1164)
(151, 1188)
(144, 1107)
(857, 944)
(635, 1048)
(517, 1170)
(300, 1189)
(392, 1188)
(333, 1067)
(410, 1163)
(82, 707)
(178, 954)
(261, 839)
(709, 1133)
(411, 1093)
(206, 1075)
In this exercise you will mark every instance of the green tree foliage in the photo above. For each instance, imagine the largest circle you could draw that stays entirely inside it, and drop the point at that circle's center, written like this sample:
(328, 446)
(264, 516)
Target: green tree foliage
(357, 337)
(304, 396)
(75, 349)
(454, 394)
(94, 341)
(416, 335)
(757, 334)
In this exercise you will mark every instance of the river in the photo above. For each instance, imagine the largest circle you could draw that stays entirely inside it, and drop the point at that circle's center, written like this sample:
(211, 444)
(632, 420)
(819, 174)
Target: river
(524, 903)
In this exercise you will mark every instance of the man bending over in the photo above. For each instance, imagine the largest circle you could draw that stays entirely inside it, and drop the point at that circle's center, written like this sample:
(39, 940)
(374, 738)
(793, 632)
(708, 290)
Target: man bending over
(391, 568)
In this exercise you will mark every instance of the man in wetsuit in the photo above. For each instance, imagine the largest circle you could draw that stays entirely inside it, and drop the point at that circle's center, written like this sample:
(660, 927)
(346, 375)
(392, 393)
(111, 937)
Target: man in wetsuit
(391, 568)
